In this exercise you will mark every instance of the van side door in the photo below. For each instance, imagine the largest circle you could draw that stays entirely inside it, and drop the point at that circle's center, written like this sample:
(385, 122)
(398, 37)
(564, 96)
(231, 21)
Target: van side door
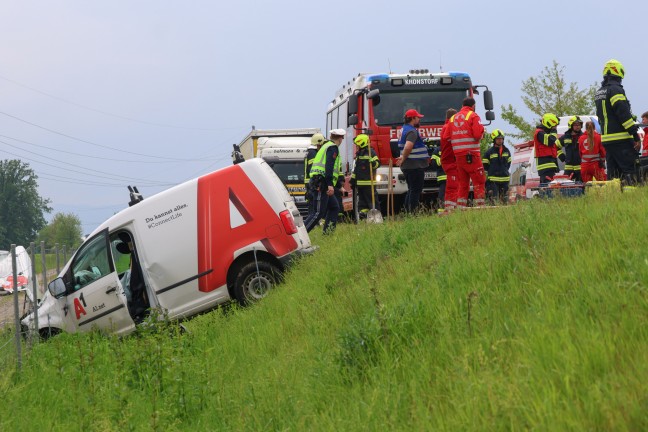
(95, 298)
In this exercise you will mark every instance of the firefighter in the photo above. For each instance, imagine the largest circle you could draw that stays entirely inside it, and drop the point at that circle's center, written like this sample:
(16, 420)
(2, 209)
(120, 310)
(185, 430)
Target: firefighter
(569, 143)
(435, 162)
(546, 150)
(497, 162)
(413, 159)
(619, 131)
(592, 154)
(317, 140)
(449, 165)
(361, 180)
(323, 178)
(465, 132)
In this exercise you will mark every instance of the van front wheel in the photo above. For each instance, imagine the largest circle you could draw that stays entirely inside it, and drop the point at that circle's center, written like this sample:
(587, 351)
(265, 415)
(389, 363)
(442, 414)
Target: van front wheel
(252, 284)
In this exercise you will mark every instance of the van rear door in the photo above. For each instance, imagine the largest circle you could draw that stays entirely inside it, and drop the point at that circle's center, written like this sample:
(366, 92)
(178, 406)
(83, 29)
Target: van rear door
(95, 298)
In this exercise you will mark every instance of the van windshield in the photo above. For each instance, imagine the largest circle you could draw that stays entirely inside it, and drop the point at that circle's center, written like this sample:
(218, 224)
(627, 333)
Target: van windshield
(289, 171)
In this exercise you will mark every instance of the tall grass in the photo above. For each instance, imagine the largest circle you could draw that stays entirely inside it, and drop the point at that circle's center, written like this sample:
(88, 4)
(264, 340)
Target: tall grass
(533, 316)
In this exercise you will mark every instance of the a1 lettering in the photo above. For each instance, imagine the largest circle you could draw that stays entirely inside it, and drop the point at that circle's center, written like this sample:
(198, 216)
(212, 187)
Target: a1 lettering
(79, 303)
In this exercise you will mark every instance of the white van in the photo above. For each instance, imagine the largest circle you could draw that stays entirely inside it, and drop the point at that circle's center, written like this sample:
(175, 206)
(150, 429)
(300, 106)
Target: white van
(226, 235)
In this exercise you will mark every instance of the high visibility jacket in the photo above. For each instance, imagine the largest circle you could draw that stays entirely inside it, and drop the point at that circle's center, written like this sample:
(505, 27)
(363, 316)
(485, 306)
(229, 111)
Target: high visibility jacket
(546, 151)
(497, 161)
(447, 155)
(308, 162)
(614, 112)
(569, 142)
(436, 163)
(361, 172)
(465, 131)
(419, 151)
(545, 143)
(594, 154)
(327, 164)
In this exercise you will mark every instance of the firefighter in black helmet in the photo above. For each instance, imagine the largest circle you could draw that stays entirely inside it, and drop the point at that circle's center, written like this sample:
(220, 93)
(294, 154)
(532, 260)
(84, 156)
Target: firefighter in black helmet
(618, 129)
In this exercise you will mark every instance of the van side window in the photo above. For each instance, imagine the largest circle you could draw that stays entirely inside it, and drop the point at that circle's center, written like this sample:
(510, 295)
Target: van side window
(91, 263)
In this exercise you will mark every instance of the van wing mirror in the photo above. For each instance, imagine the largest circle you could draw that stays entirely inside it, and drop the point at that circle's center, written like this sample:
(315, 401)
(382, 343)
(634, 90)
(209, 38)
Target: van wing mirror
(353, 120)
(57, 288)
(490, 115)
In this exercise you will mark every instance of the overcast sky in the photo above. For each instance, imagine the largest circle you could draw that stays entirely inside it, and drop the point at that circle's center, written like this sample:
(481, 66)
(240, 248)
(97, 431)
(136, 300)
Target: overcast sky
(96, 95)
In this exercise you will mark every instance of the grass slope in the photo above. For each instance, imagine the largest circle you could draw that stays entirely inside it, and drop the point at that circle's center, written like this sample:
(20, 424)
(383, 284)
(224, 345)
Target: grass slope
(533, 316)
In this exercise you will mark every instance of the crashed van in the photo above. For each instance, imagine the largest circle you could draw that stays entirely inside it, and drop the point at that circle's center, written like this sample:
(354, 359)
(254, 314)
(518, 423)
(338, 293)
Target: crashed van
(226, 235)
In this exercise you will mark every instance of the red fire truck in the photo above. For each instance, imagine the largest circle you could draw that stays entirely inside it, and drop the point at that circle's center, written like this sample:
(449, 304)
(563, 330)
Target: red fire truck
(375, 103)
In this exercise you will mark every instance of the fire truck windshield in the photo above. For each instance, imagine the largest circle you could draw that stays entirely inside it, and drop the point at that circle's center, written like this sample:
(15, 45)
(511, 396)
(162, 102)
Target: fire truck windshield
(432, 104)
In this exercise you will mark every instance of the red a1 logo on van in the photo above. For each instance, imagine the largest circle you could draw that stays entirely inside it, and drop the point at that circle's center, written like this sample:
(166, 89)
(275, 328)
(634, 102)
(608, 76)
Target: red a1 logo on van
(217, 240)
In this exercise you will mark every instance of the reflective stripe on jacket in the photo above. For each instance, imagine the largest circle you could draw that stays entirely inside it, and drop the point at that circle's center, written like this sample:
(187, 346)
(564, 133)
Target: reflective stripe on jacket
(320, 164)
(545, 143)
(614, 112)
(419, 151)
(497, 164)
(569, 142)
(595, 154)
(465, 131)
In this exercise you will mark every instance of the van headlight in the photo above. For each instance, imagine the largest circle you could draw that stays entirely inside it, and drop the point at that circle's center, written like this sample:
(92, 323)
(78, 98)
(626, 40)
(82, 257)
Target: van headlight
(381, 177)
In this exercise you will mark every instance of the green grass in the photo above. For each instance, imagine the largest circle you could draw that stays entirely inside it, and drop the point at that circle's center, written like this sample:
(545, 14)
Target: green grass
(533, 316)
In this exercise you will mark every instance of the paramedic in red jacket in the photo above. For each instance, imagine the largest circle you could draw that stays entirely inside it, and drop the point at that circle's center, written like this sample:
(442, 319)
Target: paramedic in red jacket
(592, 154)
(465, 132)
(449, 165)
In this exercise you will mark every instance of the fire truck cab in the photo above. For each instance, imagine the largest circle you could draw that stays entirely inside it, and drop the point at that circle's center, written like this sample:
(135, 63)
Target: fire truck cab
(375, 104)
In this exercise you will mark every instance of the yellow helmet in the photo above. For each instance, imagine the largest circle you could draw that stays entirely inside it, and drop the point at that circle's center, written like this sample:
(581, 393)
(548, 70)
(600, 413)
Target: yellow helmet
(497, 134)
(550, 121)
(614, 67)
(574, 119)
(318, 139)
(361, 140)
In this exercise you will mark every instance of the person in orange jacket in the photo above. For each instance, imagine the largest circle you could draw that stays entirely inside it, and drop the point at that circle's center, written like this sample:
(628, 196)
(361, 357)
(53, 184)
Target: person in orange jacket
(545, 142)
(449, 165)
(592, 154)
(465, 132)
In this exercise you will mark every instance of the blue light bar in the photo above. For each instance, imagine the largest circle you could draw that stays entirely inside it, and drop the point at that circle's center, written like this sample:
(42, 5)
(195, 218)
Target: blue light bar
(378, 77)
(459, 75)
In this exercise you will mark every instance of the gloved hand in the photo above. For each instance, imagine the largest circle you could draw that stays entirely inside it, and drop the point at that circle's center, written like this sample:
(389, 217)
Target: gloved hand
(602, 164)
(561, 156)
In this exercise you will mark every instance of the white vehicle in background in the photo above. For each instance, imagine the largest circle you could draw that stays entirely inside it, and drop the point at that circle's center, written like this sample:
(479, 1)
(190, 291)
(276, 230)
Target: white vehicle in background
(226, 235)
(285, 151)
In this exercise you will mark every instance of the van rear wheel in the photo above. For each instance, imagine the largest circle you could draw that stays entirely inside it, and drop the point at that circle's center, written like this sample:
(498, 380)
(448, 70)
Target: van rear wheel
(252, 284)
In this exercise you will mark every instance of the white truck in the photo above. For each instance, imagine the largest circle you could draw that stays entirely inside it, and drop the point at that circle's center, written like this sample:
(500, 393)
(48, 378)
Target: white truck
(226, 235)
(284, 150)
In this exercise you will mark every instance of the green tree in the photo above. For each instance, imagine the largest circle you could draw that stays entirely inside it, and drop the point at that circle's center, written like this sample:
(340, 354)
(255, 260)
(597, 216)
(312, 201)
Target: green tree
(21, 207)
(549, 92)
(64, 229)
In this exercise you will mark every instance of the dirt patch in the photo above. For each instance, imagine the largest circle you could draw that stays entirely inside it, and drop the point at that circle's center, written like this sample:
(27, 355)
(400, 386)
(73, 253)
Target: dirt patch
(7, 316)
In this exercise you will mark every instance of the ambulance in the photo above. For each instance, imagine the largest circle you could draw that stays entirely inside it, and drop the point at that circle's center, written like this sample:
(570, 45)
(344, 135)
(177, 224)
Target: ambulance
(226, 235)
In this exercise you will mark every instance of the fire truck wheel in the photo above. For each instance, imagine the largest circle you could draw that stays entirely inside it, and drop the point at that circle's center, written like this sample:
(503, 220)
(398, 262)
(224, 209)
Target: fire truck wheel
(252, 284)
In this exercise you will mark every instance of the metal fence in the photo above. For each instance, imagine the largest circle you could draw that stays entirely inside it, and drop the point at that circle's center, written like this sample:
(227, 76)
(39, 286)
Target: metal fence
(22, 286)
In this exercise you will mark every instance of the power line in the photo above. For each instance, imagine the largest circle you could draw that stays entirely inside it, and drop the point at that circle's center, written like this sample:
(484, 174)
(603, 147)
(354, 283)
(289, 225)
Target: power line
(94, 172)
(108, 113)
(85, 141)
(100, 157)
